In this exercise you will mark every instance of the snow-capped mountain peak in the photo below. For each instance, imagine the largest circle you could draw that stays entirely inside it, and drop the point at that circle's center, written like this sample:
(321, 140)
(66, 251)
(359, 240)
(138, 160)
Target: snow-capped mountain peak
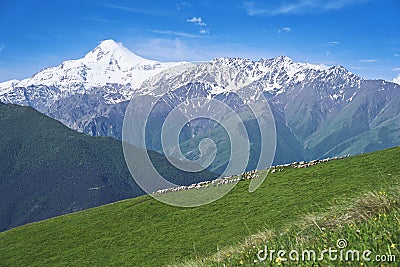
(110, 50)
(8, 85)
(108, 63)
(283, 59)
(231, 74)
(397, 79)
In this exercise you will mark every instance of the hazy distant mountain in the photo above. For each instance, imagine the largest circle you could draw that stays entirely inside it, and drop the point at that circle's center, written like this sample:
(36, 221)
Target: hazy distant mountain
(319, 111)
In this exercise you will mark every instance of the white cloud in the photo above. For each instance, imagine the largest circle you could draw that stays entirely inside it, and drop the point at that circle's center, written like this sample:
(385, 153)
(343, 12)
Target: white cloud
(328, 63)
(253, 8)
(165, 49)
(203, 31)
(176, 33)
(198, 21)
(6, 75)
(285, 29)
(368, 60)
(153, 12)
(358, 68)
(176, 49)
(396, 69)
(181, 5)
(99, 19)
(333, 43)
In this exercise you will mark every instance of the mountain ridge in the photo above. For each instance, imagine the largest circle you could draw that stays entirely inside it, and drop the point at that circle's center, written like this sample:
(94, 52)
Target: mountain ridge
(320, 111)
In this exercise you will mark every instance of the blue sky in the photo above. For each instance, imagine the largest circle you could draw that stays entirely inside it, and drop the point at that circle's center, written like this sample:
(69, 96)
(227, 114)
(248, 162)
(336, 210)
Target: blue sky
(362, 35)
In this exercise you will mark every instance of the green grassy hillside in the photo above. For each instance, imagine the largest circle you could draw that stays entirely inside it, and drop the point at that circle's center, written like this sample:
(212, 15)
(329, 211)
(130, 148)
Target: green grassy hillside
(370, 223)
(47, 169)
(144, 232)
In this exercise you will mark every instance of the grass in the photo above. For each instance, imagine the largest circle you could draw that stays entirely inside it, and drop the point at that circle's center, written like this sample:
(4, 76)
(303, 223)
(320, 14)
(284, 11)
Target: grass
(144, 232)
(368, 223)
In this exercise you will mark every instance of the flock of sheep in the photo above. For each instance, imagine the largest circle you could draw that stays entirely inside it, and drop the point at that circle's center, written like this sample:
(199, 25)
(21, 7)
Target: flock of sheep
(246, 175)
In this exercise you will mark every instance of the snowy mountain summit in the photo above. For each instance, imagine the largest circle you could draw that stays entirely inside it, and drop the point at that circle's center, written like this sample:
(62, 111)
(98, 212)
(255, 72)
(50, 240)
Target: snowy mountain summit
(223, 75)
(116, 73)
(110, 63)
